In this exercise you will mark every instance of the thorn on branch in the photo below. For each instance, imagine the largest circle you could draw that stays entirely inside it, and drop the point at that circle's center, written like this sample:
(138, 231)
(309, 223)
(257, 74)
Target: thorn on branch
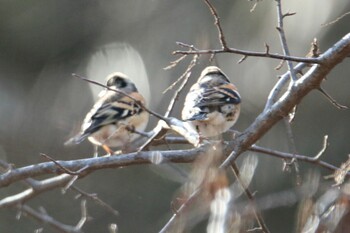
(280, 65)
(253, 7)
(186, 45)
(288, 14)
(174, 63)
(212, 57)
(242, 59)
(267, 49)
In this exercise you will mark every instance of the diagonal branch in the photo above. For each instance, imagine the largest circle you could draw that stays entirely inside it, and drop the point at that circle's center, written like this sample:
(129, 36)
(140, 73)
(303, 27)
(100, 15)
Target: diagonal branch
(259, 218)
(304, 85)
(46, 219)
(218, 24)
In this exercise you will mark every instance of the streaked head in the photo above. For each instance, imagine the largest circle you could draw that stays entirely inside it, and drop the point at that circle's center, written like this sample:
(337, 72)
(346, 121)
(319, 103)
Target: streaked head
(120, 81)
(213, 74)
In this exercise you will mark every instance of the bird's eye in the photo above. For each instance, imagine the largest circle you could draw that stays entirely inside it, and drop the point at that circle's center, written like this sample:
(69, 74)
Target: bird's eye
(117, 81)
(120, 82)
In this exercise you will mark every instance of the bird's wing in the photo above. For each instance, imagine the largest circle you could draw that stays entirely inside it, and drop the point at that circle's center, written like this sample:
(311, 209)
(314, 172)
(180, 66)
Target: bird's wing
(210, 99)
(218, 96)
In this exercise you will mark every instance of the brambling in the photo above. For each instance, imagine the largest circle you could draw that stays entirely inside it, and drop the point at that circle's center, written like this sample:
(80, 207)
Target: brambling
(115, 117)
(212, 105)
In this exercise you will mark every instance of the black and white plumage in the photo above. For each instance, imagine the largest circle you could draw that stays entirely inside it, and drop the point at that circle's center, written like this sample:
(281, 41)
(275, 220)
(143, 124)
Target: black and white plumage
(212, 105)
(109, 121)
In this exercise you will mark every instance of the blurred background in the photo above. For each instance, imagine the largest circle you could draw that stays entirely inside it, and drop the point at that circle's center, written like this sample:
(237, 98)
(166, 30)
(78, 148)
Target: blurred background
(41, 105)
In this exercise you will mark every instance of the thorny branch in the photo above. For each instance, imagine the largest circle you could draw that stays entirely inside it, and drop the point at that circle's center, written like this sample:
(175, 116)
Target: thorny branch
(277, 107)
(281, 108)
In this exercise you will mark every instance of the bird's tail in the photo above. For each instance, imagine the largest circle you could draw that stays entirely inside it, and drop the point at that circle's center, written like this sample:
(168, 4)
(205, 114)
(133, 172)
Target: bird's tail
(76, 139)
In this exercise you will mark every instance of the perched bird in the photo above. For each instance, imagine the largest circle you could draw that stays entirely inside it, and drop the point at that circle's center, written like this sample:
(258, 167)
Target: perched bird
(212, 105)
(115, 116)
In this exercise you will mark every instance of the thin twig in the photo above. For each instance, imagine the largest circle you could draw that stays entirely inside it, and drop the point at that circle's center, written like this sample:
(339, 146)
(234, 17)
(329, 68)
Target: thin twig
(48, 220)
(259, 218)
(65, 170)
(249, 54)
(180, 210)
(336, 20)
(185, 76)
(323, 149)
(302, 158)
(218, 25)
(123, 93)
(174, 63)
(84, 215)
(283, 39)
(95, 198)
(291, 143)
(332, 100)
(42, 186)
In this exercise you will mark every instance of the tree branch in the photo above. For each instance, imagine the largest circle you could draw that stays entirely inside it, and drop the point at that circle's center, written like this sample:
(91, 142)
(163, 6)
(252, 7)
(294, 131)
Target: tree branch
(46, 219)
(92, 164)
(248, 53)
(304, 85)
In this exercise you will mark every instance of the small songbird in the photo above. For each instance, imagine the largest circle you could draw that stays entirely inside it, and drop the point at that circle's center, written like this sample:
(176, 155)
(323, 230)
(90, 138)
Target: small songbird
(115, 116)
(212, 105)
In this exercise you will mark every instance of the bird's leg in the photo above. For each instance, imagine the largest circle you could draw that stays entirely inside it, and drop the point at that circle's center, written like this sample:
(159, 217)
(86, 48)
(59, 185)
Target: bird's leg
(108, 150)
(95, 151)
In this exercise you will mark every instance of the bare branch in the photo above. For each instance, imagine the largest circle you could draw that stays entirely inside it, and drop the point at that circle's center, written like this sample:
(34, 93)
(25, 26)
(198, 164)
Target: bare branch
(332, 100)
(45, 218)
(249, 194)
(308, 82)
(250, 54)
(144, 157)
(123, 93)
(336, 20)
(43, 186)
(185, 76)
(323, 149)
(84, 215)
(174, 63)
(242, 59)
(283, 80)
(95, 198)
(65, 170)
(218, 24)
(302, 158)
(283, 38)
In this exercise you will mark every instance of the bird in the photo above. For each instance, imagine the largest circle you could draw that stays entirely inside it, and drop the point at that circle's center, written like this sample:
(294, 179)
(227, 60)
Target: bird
(212, 105)
(116, 117)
